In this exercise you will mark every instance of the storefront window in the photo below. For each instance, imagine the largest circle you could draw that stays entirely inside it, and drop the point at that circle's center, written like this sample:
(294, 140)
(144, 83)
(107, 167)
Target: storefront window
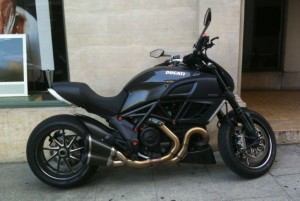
(42, 22)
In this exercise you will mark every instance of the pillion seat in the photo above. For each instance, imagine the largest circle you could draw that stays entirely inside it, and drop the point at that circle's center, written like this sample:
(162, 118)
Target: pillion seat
(81, 95)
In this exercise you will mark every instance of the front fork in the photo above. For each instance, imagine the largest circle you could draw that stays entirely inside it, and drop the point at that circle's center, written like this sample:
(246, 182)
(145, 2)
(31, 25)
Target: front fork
(241, 116)
(239, 113)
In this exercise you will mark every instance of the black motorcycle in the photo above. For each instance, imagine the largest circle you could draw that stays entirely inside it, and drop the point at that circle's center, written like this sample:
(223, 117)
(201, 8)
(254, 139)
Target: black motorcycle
(159, 117)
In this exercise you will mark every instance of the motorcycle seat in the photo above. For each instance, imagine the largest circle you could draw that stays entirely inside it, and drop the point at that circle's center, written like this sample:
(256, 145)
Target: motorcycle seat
(81, 95)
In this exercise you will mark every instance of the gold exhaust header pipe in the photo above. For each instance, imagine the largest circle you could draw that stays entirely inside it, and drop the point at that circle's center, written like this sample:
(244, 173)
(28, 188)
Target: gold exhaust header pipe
(185, 145)
(148, 163)
(172, 157)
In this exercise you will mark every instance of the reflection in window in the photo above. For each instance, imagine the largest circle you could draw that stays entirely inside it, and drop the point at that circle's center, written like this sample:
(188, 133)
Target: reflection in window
(20, 16)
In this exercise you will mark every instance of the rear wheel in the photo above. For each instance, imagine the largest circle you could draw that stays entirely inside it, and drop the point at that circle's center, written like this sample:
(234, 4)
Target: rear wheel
(57, 152)
(248, 161)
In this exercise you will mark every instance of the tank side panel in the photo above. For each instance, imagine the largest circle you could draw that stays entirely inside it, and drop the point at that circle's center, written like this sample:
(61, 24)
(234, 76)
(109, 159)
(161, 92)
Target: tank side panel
(159, 74)
(144, 95)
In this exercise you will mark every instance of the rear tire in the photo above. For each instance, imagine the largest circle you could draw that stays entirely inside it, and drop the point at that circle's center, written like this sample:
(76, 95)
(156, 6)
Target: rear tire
(254, 161)
(57, 152)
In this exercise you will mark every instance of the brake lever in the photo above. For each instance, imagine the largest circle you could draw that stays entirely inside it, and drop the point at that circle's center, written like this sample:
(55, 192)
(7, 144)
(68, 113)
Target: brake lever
(209, 45)
(215, 38)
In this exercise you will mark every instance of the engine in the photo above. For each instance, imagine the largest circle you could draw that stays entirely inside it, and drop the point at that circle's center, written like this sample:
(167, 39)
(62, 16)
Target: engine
(150, 138)
(153, 142)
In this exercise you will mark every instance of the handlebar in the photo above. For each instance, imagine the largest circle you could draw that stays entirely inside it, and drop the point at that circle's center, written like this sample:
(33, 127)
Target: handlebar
(196, 58)
(203, 43)
(174, 61)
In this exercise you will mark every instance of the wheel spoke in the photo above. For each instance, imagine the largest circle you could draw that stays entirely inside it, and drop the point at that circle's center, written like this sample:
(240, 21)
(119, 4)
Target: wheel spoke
(58, 164)
(64, 137)
(69, 166)
(75, 158)
(57, 142)
(72, 141)
(77, 149)
(51, 148)
(247, 161)
(53, 156)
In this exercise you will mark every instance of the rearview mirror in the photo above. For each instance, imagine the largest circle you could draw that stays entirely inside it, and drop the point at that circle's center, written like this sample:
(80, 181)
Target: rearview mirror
(157, 53)
(207, 18)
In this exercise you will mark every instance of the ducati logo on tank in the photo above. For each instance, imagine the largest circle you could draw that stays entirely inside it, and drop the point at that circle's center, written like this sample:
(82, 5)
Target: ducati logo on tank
(175, 73)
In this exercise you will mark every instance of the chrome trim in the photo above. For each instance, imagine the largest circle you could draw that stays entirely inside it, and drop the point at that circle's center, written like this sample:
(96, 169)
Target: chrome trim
(90, 149)
(217, 110)
(58, 97)
(110, 158)
(143, 156)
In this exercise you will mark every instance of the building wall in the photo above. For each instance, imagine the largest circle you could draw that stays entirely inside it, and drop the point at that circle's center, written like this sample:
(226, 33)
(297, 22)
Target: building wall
(16, 126)
(292, 46)
(109, 42)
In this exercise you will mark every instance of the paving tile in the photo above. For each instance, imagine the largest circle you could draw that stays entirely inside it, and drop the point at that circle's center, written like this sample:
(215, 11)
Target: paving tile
(18, 183)
(287, 160)
(124, 183)
(184, 182)
(230, 186)
(296, 198)
(290, 184)
(277, 198)
(233, 187)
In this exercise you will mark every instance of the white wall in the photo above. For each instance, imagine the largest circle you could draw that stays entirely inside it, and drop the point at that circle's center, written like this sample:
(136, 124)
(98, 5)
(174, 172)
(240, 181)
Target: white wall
(292, 46)
(109, 41)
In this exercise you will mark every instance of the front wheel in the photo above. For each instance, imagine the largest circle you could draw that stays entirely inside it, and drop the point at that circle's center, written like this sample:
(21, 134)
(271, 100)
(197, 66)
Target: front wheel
(249, 162)
(57, 152)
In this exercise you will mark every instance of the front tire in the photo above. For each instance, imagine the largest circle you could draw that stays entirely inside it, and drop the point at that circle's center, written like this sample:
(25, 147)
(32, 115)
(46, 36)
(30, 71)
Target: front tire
(57, 152)
(254, 161)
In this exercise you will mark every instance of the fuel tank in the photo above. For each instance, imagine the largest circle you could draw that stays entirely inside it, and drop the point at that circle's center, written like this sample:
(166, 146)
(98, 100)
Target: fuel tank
(159, 75)
(163, 82)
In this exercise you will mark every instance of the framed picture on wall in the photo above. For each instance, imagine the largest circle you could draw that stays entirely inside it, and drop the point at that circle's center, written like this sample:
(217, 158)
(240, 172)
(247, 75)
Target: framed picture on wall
(13, 65)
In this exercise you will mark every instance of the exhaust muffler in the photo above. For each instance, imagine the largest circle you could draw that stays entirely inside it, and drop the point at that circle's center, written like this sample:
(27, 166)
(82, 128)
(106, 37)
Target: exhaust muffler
(99, 153)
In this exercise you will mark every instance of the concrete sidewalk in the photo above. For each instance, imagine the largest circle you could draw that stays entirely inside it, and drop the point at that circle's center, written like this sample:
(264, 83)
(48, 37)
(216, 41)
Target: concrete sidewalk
(164, 183)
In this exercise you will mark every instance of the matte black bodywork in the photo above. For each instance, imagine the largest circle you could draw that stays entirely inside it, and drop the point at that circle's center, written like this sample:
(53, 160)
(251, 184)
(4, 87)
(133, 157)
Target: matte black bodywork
(150, 84)
(194, 89)
(199, 93)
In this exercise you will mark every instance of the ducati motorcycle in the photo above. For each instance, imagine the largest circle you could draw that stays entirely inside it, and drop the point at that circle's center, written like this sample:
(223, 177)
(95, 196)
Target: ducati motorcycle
(159, 117)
